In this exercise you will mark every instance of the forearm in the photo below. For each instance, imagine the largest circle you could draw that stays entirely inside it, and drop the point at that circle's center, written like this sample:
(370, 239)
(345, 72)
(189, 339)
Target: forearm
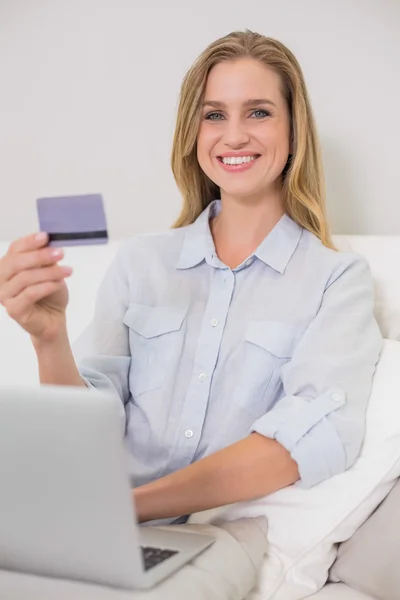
(56, 362)
(251, 468)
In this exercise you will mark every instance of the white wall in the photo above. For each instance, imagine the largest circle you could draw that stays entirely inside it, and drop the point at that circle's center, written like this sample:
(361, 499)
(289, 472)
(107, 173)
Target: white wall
(89, 89)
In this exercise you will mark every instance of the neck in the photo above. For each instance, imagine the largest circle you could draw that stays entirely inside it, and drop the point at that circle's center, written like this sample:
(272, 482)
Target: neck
(242, 224)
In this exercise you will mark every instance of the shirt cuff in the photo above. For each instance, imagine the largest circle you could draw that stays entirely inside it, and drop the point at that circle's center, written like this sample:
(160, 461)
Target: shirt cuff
(103, 385)
(301, 426)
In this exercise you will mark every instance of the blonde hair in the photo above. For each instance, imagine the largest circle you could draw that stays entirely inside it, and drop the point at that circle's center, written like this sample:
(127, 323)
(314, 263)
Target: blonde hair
(303, 179)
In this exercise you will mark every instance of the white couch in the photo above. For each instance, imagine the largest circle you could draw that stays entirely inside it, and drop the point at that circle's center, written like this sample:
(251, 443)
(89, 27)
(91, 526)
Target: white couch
(17, 359)
(90, 263)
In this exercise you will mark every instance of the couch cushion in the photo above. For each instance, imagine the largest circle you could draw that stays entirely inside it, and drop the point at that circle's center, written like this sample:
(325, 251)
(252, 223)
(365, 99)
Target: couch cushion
(210, 576)
(338, 591)
(306, 525)
(383, 256)
(90, 262)
(370, 560)
(17, 357)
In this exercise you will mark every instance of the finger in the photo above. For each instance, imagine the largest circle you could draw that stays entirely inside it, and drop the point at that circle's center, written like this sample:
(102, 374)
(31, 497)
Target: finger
(29, 242)
(15, 263)
(19, 307)
(25, 279)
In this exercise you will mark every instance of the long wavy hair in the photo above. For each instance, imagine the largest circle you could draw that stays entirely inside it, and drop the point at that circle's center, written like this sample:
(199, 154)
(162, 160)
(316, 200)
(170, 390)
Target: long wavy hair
(303, 188)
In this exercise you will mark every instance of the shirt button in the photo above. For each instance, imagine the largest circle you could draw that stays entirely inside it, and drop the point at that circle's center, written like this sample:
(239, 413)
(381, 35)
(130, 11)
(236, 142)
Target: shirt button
(214, 322)
(202, 376)
(189, 433)
(336, 397)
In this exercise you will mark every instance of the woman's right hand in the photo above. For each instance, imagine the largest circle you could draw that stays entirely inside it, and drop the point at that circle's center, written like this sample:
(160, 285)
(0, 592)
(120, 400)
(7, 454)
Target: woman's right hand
(32, 287)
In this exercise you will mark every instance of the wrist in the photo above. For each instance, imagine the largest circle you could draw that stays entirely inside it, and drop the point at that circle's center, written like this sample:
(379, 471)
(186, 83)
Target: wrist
(143, 503)
(51, 342)
(149, 500)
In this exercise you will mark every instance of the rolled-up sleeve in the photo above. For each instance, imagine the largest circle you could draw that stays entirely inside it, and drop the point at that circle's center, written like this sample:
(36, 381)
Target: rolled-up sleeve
(102, 351)
(327, 383)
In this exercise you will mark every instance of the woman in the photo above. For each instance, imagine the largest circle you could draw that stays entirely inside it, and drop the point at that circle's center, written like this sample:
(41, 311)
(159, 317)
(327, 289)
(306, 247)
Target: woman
(240, 345)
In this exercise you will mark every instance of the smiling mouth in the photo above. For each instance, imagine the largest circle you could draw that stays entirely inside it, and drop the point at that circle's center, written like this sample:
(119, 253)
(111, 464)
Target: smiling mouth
(238, 160)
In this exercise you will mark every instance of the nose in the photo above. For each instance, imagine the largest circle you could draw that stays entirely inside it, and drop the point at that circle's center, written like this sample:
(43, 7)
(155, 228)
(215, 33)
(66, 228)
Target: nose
(235, 134)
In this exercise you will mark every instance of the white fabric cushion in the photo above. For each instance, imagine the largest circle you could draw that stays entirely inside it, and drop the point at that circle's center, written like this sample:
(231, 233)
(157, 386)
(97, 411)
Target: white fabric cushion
(209, 576)
(306, 524)
(17, 356)
(383, 256)
(90, 262)
(338, 591)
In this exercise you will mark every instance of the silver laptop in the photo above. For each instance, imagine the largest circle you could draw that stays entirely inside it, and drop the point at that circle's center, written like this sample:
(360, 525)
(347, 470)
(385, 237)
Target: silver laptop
(65, 501)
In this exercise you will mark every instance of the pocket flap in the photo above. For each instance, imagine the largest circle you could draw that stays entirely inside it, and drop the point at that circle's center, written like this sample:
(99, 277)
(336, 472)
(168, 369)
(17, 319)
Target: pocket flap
(151, 321)
(276, 337)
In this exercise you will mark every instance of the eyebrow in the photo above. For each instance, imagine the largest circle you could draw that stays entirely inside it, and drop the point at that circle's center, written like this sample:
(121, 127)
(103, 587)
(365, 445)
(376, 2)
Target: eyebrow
(251, 102)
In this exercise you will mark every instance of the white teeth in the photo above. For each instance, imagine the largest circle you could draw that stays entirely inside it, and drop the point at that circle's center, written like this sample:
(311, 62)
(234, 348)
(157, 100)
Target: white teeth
(237, 160)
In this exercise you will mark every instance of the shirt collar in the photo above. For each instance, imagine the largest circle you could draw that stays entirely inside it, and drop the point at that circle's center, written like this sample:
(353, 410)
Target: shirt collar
(198, 244)
(278, 247)
(275, 250)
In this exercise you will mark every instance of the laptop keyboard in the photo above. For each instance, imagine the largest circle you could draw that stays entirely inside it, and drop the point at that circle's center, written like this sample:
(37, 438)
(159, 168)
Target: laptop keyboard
(154, 556)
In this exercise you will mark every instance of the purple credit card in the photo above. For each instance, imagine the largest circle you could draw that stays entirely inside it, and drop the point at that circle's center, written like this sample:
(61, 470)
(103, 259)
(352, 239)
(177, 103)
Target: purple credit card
(73, 220)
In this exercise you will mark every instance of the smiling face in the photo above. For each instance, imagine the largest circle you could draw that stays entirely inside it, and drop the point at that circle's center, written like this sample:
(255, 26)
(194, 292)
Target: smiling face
(243, 141)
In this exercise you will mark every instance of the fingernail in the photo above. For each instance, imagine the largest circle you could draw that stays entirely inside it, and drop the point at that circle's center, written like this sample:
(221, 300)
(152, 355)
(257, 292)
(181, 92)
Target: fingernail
(41, 237)
(56, 253)
(66, 270)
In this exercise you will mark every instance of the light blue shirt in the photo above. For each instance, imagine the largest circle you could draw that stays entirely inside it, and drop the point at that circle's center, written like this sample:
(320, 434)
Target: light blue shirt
(199, 355)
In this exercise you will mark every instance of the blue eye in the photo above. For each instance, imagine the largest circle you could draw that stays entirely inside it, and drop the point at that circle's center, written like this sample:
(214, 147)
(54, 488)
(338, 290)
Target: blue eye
(213, 116)
(261, 114)
(256, 114)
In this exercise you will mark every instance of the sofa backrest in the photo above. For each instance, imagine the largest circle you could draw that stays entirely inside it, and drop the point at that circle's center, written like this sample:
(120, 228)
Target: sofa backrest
(17, 358)
(383, 256)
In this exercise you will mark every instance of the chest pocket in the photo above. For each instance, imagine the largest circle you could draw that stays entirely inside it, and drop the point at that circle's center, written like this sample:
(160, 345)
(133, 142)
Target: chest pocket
(153, 334)
(267, 346)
